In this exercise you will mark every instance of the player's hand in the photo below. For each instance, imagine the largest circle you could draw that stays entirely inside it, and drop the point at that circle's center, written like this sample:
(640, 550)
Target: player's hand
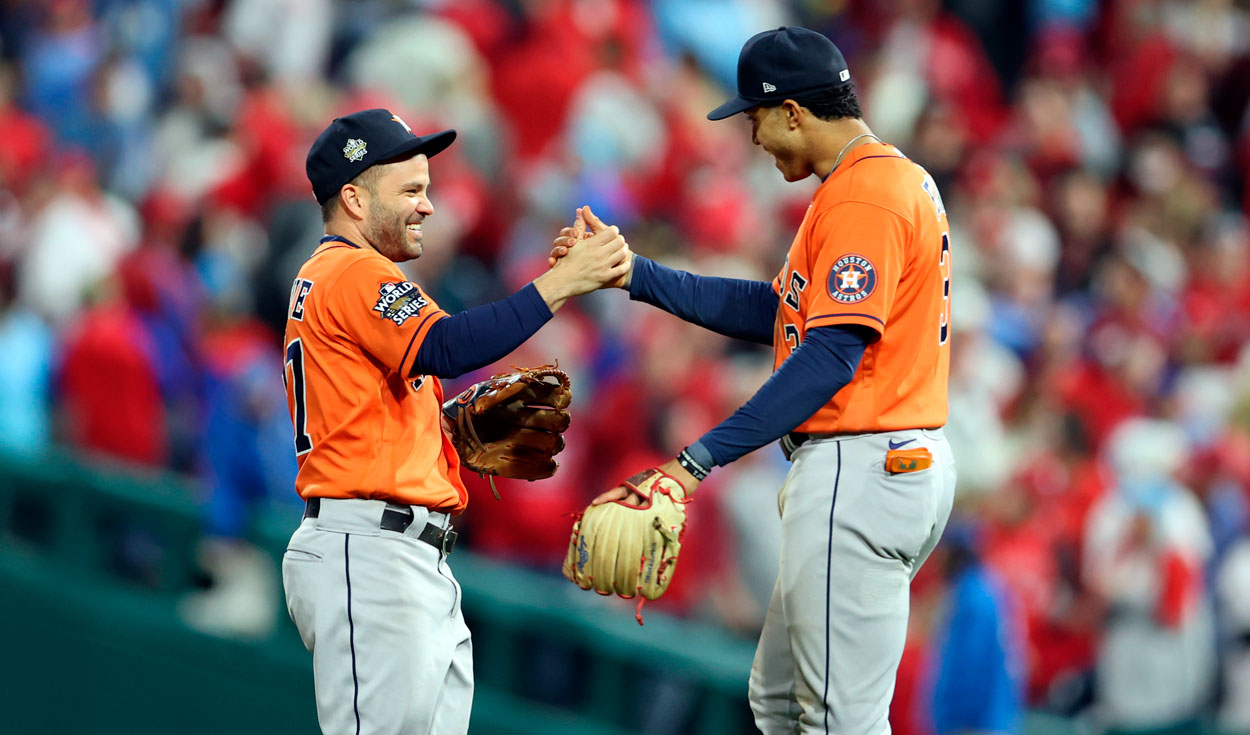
(672, 468)
(567, 237)
(598, 260)
(560, 246)
(585, 225)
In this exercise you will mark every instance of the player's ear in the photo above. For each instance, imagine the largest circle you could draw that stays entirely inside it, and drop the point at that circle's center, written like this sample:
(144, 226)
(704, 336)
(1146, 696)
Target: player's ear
(792, 113)
(352, 200)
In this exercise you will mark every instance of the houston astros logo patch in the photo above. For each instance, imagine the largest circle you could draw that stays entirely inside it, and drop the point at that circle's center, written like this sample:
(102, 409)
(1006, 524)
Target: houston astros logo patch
(852, 279)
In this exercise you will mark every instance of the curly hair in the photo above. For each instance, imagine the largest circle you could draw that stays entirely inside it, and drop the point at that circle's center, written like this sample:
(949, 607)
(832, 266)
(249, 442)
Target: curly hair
(834, 103)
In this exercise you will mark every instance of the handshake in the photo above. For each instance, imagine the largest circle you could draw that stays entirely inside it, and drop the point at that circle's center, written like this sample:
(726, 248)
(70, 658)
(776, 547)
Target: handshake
(603, 260)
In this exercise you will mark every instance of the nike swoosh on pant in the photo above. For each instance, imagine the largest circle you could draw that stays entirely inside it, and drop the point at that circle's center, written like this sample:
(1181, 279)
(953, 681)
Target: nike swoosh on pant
(893, 445)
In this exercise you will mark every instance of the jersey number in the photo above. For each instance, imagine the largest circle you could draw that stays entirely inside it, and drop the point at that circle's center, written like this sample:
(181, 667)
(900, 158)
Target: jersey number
(944, 264)
(295, 361)
(792, 336)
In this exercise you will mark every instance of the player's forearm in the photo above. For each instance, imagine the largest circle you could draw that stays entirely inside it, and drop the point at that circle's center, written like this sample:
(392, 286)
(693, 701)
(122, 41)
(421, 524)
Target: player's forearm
(807, 380)
(476, 337)
(733, 307)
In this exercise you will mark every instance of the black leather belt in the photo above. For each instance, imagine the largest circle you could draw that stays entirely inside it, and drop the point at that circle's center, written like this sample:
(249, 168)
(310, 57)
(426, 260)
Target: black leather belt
(793, 441)
(398, 518)
(798, 438)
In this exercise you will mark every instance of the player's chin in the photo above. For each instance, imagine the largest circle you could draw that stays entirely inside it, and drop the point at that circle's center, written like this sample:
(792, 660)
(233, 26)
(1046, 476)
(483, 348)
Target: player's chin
(413, 246)
(405, 253)
(787, 170)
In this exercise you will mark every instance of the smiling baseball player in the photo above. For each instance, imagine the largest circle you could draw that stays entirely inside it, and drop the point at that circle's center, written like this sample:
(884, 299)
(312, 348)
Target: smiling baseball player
(366, 573)
(858, 318)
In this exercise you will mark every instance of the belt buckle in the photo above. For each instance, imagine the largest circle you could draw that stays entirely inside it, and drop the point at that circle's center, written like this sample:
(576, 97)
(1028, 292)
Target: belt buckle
(448, 541)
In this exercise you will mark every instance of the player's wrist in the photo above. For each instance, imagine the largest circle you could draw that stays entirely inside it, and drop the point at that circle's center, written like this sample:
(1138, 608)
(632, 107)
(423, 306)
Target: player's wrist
(554, 289)
(629, 274)
(696, 460)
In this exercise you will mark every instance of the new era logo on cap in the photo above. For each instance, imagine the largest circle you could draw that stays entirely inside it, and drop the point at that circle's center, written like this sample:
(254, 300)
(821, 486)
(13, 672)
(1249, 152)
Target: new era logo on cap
(769, 88)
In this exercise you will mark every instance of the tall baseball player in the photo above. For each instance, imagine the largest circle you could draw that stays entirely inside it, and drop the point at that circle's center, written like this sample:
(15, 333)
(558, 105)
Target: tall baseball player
(366, 577)
(858, 319)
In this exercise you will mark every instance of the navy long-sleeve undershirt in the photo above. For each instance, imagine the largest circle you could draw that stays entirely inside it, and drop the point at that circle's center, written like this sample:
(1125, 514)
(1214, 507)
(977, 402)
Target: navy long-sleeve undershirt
(730, 306)
(476, 337)
(812, 374)
(815, 371)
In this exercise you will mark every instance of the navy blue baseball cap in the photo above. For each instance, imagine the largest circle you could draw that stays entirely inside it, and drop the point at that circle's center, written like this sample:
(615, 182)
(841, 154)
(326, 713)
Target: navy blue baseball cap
(782, 64)
(362, 139)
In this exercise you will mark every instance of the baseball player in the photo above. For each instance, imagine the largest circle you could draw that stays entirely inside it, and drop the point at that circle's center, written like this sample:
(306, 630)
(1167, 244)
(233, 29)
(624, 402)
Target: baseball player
(859, 320)
(366, 575)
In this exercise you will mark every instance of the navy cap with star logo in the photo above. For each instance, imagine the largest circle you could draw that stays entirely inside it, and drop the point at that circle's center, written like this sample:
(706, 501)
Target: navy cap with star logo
(355, 142)
(784, 63)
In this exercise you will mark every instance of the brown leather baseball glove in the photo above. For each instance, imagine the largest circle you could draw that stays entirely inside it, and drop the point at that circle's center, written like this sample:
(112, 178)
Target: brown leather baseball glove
(511, 425)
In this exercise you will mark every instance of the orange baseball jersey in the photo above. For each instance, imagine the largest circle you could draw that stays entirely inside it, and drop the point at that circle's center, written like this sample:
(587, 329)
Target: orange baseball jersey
(874, 250)
(363, 428)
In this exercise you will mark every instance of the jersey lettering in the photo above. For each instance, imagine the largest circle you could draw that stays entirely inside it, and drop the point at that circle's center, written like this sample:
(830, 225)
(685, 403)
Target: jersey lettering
(930, 188)
(944, 265)
(797, 284)
(299, 292)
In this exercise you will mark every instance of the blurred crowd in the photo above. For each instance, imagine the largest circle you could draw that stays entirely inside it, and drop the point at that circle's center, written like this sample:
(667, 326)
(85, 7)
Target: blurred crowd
(1093, 157)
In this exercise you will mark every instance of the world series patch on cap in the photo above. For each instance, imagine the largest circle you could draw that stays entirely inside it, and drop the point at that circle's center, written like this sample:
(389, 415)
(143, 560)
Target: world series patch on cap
(355, 142)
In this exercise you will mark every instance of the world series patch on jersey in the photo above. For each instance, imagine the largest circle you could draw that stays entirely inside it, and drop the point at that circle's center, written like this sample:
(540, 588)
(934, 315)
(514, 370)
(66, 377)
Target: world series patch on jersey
(399, 301)
(875, 238)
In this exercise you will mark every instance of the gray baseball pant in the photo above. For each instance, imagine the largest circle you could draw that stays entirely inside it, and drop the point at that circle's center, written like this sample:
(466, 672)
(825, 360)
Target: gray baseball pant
(380, 611)
(852, 538)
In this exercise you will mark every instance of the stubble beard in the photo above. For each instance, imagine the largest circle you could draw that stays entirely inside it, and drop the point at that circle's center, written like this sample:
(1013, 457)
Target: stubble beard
(388, 233)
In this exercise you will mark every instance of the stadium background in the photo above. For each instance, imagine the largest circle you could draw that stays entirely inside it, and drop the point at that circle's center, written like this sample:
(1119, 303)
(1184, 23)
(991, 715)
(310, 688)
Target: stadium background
(1093, 157)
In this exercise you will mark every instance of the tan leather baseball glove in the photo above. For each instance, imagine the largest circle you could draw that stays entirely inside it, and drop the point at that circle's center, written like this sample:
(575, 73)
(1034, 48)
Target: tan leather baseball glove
(630, 549)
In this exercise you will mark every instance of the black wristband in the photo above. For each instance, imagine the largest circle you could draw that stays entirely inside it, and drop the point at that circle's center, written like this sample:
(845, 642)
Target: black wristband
(688, 463)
